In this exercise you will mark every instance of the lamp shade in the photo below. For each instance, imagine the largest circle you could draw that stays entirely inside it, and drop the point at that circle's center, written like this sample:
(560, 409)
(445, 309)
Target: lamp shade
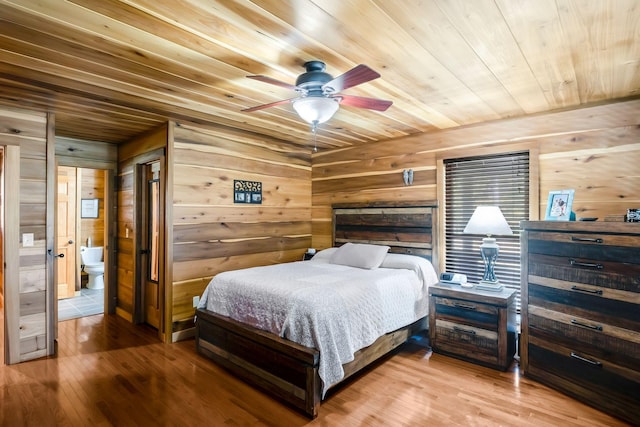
(488, 220)
(316, 109)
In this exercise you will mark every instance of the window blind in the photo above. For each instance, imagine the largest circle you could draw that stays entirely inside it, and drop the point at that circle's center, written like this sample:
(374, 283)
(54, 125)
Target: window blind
(500, 180)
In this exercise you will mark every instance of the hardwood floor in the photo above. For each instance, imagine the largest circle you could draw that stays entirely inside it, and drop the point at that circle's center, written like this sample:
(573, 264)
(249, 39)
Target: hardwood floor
(109, 372)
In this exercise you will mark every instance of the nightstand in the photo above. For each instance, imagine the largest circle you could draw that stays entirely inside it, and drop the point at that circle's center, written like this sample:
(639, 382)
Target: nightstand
(473, 325)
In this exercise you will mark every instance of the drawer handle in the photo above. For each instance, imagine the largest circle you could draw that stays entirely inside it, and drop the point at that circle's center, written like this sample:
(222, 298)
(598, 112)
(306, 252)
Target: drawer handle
(584, 359)
(585, 325)
(466, 331)
(590, 291)
(465, 306)
(586, 239)
(585, 264)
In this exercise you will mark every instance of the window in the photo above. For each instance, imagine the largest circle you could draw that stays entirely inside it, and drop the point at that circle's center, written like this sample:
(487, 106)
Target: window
(502, 180)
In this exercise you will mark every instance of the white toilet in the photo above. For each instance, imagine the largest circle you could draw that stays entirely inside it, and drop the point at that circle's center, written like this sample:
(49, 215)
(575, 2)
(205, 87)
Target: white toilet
(93, 266)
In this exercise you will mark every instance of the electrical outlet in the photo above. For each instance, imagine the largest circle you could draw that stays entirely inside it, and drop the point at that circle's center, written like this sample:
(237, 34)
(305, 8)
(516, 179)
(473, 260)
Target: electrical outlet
(27, 239)
(196, 301)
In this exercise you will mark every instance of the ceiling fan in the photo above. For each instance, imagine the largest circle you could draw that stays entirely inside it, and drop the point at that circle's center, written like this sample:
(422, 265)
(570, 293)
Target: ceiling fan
(319, 93)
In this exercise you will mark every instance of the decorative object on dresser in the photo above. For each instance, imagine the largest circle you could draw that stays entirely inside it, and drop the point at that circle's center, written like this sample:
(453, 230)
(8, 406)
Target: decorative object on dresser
(581, 311)
(633, 215)
(559, 206)
(490, 221)
(473, 325)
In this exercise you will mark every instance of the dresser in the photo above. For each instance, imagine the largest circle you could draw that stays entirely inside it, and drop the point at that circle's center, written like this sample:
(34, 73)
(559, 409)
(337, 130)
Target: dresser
(473, 325)
(581, 311)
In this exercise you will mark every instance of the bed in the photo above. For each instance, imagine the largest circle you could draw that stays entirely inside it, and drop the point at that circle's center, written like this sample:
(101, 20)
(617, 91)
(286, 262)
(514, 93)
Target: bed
(250, 341)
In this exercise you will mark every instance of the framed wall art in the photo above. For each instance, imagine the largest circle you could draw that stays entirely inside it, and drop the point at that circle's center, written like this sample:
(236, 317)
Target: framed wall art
(559, 205)
(247, 192)
(89, 208)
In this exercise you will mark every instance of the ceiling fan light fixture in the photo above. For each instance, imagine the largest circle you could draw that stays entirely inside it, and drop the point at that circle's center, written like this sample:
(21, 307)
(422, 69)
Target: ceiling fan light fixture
(316, 109)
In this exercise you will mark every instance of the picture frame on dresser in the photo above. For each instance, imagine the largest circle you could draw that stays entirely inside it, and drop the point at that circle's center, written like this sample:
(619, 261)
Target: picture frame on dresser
(559, 205)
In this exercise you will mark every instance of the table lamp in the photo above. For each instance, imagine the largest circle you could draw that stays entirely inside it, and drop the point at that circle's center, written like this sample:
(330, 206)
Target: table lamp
(490, 221)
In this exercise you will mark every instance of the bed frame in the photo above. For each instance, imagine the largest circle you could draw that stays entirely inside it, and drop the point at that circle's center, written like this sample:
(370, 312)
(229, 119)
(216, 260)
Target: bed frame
(289, 371)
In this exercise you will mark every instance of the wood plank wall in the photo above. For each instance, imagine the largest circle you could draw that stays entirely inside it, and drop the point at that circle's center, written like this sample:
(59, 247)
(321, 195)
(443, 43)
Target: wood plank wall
(594, 150)
(28, 131)
(211, 234)
(130, 154)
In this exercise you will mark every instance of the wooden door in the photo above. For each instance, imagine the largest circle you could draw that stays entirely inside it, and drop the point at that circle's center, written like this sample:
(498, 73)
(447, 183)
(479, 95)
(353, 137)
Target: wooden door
(1, 258)
(150, 244)
(65, 232)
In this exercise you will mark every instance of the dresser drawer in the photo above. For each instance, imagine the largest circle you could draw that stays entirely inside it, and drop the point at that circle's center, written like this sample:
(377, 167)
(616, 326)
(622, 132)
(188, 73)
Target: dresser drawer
(608, 247)
(595, 272)
(606, 385)
(600, 305)
(613, 344)
(557, 256)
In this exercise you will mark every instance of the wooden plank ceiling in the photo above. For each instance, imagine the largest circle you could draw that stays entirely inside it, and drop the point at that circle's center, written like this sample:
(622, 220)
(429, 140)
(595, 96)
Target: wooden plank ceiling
(111, 69)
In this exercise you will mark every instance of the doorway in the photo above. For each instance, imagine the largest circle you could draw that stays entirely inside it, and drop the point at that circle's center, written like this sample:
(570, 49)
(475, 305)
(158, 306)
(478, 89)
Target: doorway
(80, 230)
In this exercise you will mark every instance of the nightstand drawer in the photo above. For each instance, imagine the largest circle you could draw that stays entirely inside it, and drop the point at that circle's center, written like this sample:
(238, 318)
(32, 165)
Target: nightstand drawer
(467, 312)
(468, 341)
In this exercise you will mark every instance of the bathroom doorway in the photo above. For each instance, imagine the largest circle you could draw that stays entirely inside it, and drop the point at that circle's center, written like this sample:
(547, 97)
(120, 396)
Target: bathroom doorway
(80, 230)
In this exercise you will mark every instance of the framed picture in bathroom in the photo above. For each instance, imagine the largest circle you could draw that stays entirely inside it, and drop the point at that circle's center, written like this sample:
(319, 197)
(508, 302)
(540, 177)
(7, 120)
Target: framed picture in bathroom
(89, 208)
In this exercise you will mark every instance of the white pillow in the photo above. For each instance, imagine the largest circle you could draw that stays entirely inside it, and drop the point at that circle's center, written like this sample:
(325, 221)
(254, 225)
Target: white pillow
(324, 255)
(423, 268)
(360, 255)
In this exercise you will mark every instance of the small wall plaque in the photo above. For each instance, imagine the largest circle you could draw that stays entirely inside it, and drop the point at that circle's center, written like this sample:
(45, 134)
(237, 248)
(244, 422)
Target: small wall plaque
(89, 208)
(247, 192)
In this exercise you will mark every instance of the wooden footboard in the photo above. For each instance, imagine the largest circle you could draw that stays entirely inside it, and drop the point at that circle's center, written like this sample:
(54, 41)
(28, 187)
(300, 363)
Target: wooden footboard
(283, 368)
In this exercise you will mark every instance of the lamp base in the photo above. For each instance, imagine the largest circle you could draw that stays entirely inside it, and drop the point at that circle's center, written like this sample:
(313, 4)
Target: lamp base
(486, 285)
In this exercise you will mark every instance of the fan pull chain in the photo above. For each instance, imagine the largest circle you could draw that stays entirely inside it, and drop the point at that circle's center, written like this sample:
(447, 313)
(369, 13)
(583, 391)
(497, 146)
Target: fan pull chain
(314, 130)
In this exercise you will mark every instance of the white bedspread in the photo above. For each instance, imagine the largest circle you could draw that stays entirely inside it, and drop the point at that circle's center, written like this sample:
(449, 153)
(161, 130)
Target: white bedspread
(334, 308)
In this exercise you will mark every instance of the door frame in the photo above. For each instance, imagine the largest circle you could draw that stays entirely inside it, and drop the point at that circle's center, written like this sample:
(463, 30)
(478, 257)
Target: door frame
(140, 183)
(110, 224)
(11, 206)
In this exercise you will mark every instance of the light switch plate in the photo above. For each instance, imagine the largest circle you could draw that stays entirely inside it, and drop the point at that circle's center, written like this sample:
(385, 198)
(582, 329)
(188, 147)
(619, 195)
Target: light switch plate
(27, 239)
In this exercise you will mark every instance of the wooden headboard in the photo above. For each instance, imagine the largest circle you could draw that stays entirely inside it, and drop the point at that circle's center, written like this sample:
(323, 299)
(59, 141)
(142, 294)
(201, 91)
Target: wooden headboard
(406, 227)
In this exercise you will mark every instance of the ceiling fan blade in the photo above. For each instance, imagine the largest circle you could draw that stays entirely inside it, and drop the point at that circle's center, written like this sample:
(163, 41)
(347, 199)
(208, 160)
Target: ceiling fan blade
(355, 76)
(362, 102)
(273, 81)
(263, 106)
